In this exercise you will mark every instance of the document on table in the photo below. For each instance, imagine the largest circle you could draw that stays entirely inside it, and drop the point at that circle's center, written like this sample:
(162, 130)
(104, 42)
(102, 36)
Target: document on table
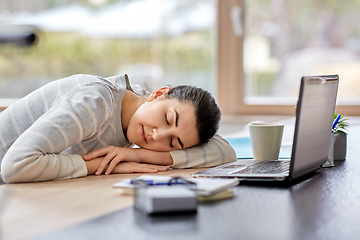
(204, 186)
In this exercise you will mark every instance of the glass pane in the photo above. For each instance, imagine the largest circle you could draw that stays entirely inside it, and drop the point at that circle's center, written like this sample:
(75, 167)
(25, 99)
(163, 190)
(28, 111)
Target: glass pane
(156, 42)
(288, 39)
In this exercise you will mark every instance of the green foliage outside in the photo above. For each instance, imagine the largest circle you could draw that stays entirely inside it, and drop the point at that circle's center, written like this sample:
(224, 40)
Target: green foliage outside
(263, 82)
(293, 26)
(58, 55)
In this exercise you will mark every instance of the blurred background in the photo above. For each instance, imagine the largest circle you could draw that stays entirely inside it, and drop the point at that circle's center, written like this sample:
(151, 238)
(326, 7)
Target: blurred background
(170, 42)
(288, 39)
(159, 42)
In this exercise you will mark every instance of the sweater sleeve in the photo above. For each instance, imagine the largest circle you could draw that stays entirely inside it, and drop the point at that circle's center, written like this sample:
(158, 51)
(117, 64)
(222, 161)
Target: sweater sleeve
(217, 151)
(36, 155)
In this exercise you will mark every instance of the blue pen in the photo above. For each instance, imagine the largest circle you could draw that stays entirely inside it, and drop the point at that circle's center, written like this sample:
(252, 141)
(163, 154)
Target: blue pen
(152, 182)
(336, 121)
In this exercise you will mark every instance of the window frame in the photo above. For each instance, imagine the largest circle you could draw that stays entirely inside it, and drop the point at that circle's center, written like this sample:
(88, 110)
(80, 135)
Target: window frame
(231, 80)
(5, 102)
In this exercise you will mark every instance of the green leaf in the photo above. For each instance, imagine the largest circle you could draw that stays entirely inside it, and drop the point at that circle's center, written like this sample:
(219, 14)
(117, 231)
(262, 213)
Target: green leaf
(341, 126)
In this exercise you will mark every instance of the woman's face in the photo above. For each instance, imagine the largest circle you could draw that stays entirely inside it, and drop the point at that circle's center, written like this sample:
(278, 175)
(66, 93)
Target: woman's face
(163, 125)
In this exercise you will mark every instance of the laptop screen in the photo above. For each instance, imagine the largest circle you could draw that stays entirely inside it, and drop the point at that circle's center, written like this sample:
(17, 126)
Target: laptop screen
(315, 112)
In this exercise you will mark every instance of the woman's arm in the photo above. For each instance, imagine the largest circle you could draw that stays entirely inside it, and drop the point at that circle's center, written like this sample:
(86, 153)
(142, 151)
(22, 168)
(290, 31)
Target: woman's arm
(217, 151)
(37, 152)
(125, 167)
(114, 155)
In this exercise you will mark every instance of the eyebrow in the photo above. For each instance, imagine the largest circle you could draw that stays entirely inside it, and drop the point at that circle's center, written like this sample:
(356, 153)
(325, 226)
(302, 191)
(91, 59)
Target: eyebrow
(176, 118)
(176, 124)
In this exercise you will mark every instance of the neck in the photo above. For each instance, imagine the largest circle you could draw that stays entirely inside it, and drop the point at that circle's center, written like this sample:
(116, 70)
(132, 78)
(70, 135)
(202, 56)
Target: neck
(130, 103)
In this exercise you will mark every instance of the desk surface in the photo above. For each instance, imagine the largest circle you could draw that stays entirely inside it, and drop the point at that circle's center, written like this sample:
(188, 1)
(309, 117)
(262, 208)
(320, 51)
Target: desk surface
(323, 206)
(33, 209)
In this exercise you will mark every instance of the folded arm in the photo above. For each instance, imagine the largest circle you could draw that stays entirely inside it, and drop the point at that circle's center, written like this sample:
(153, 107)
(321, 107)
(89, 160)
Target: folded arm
(112, 156)
(217, 151)
(125, 167)
(36, 155)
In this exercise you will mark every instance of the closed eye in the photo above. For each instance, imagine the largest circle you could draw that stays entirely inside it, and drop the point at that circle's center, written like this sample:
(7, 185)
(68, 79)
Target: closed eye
(166, 119)
(167, 122)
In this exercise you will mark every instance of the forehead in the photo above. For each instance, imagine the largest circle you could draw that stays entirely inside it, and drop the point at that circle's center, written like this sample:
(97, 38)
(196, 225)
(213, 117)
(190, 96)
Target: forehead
(175, 103)
(179, 104)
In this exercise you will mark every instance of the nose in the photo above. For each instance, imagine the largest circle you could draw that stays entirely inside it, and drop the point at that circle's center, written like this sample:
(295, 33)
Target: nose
(161, 133)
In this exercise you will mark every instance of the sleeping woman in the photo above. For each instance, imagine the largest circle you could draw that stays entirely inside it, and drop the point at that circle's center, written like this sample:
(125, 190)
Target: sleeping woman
(84, 125)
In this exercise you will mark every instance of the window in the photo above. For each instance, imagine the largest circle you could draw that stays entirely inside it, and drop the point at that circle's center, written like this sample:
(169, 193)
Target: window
(265, 46)
(157, 42)
(249, 53)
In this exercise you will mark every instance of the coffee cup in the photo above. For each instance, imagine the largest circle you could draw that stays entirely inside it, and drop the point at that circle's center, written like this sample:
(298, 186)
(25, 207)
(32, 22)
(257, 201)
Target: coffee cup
(266, 140)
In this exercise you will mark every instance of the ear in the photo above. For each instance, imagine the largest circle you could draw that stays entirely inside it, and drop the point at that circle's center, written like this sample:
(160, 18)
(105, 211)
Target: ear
(158, 93)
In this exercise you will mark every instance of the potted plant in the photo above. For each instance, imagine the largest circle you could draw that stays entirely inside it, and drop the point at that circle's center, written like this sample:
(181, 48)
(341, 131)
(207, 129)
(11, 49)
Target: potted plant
(340, 131)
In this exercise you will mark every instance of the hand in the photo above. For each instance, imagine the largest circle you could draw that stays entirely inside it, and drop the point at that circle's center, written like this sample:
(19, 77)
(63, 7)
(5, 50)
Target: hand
(112, 155)
(125, 167)
(134, 167)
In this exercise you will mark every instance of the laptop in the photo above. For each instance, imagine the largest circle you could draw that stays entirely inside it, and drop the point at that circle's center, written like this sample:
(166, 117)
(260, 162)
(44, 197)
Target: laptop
(314, 116)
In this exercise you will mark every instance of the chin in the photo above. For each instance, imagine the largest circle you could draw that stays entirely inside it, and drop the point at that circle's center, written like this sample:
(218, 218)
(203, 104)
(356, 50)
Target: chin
(131, 137)
(139, 145)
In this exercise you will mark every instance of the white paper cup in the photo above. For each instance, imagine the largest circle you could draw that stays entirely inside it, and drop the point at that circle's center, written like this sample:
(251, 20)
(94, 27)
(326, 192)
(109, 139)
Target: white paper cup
(266, 140)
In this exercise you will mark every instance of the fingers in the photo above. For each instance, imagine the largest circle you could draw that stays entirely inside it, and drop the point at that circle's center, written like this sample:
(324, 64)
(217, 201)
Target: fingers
(97, 153)
(113, 160)
(163, 168)
(113, 164)
(141, 169)
(134, 167)
(147, 168)
(110, 157)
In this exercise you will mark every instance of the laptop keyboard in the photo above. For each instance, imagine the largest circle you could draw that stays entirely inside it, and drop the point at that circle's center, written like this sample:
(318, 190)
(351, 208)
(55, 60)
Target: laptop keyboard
(269, 167)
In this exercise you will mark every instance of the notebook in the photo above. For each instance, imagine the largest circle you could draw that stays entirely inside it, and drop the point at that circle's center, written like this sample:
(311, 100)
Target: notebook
(314, 115)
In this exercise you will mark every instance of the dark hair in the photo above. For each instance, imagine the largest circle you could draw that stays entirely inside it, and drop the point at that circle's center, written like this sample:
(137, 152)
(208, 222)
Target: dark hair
(207, 111)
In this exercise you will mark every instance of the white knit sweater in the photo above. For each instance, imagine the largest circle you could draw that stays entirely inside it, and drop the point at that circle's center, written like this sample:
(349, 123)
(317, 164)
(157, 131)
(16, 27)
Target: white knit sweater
(43, 134)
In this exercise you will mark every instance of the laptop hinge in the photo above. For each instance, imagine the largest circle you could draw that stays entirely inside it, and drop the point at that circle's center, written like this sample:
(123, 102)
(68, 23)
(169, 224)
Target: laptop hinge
(302, 173)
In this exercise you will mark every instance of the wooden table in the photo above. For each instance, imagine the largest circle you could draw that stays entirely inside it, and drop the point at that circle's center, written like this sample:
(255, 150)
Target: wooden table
(323, 206)
(29, 210)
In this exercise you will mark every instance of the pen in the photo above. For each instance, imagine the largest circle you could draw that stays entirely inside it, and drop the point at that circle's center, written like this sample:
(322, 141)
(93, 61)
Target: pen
(336, 121)
(152, 182)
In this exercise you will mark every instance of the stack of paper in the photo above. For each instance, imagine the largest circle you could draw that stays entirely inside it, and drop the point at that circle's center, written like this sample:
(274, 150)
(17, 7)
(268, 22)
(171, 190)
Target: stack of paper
(206, 189)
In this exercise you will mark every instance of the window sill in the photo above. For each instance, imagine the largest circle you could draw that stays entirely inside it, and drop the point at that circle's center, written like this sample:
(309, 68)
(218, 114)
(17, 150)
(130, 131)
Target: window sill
(5, 102)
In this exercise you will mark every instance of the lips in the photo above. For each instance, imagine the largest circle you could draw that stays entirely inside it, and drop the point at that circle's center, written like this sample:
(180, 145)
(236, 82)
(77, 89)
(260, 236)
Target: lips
(143, 134)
